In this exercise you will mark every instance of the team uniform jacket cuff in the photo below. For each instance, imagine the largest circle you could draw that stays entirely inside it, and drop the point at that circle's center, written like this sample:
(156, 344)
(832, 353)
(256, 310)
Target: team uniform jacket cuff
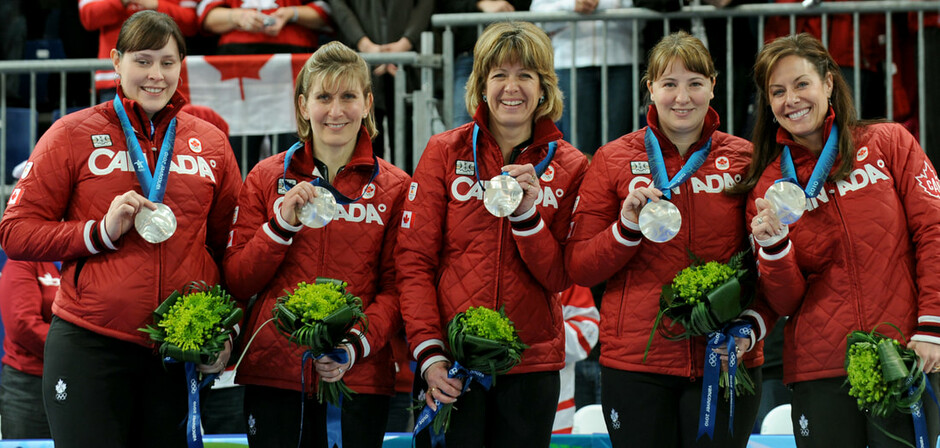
(527, 224)
(626, 232)
(776, 252)
(284, 224)
(928, 329)
(352, 353)
(429, 352)
(96, 238)
(758, 328)
(932, 338)
(359, 343)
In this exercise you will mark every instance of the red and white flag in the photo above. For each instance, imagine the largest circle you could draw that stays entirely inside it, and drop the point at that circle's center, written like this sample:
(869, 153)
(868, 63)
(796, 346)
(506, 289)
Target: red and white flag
(254, 93)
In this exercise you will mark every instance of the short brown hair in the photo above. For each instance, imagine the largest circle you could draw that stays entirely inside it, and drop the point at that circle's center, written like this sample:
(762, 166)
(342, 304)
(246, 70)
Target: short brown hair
(149, 30)
(331, 64)
(520, 42)
(684, 47)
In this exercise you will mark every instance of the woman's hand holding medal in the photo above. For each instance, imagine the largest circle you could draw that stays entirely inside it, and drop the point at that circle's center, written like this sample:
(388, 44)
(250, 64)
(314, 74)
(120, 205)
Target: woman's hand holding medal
(123, 210)
(766, 225)
(295, 199)
(529, 181)
(636, 200)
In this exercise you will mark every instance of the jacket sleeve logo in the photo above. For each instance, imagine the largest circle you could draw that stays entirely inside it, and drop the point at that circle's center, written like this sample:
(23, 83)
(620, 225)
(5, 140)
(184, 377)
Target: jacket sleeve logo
(927, 180)
(412, 191)
(465, 168)
(406, 219)
(549, 174)
(284, 185)
(368, 191)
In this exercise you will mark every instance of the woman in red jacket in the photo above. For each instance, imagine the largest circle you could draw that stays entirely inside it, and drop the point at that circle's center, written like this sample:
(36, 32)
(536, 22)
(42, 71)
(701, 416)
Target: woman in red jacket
(26, 292)
(865, 250)
(454, 253)
(680, 157)
(87, 181)
(272, 252)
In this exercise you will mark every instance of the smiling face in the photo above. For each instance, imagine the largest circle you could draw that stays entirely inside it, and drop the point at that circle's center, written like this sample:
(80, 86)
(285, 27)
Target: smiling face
(682, 98)
(335, 113)
(149, 77)
(799, 99)
(512, 95)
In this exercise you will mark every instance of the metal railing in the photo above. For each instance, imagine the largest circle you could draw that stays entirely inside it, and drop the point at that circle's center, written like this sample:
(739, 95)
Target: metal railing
(422, 121)
(639, 16)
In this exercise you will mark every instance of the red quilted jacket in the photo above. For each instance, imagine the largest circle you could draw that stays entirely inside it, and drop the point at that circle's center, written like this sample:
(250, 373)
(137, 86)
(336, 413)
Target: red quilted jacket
(636, 269)
(453, 254)
(266, 257)
(866, 251)
(79, 165)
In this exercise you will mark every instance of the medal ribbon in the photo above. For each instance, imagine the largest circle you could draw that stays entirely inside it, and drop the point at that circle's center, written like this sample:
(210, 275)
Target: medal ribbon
(427, 414)
(334, 421)
(658, 166)
(194, 414)
(152, 185)
(708, 410)
(320, 182)
(539, 169)
(820, 171)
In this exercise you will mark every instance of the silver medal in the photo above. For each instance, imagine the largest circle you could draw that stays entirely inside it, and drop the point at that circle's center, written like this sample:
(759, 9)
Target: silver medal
(155, 226)
(660, 221)
(319, 211)
(502, 196)
(788, 201)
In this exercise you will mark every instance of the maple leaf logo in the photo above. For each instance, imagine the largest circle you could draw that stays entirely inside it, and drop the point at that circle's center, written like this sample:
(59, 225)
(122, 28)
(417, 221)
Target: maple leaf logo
(406, 219)
(928, 181)
(239, 67)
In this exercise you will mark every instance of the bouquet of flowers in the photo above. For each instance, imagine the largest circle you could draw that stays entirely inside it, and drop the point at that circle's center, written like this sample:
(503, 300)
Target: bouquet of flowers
(484, 343)
(703, 298)
(194, 327)
(883, 376)
(318, 317)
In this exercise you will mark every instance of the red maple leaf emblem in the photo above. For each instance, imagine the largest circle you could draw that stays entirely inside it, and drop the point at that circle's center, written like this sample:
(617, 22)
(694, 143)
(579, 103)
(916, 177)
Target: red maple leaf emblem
(239, 67)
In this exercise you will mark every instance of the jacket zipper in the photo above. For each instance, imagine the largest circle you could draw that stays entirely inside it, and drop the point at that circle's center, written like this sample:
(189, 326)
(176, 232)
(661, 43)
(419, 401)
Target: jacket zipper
(850, 252)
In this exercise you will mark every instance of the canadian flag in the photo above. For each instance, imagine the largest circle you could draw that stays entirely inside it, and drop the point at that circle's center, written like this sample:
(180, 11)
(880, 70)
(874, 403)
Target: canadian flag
(254, 93)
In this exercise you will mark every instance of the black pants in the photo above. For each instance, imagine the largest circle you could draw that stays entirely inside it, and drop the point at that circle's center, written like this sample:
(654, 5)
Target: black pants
(662, 411)
(273, 419)
(825, 415)
(21, 406)
(103, 392)
(517, 411)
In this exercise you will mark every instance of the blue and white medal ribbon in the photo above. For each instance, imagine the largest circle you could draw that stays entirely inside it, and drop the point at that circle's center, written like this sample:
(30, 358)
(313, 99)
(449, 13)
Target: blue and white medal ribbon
(334, 415)
(820, 172)
(155, 226)
(708, 410)
(194, 414)
(505, 194)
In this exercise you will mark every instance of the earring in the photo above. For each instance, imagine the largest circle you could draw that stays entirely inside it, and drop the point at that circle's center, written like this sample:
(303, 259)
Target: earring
(484, 98)
(541, 99)
(774, 119)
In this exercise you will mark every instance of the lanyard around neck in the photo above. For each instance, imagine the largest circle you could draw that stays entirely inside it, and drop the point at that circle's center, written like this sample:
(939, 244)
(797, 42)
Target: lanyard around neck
(153, 185)
(320, 182)
(539, 169)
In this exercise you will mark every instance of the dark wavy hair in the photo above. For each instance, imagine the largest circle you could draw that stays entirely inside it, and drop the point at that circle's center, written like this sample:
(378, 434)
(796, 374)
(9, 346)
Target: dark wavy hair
(766, 149)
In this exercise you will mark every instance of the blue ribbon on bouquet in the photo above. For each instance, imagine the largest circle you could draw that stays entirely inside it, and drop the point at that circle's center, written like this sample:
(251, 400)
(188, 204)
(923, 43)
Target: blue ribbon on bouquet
(427, 414)
(334, 420)
(708, 411)
(917, 413)
(194, 414)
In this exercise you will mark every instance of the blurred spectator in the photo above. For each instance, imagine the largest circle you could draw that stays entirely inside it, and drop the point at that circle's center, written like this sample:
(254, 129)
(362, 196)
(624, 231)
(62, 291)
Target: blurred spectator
(581, 332)
(383, 27)
(27, 289)
(264, 27)
(588, 59)
(464, 40)
(107, 16)
(931, 88)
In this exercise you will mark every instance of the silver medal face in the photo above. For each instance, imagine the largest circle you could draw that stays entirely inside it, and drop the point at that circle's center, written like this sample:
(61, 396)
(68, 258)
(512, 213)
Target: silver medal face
(320, 211)
(502, 196)
(660, 221)
(788, 201)
(155, 226)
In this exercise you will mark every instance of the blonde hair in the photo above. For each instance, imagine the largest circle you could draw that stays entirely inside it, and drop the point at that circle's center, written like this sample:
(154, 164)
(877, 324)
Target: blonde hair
(681, 46)
(520, 42)
(332, 64)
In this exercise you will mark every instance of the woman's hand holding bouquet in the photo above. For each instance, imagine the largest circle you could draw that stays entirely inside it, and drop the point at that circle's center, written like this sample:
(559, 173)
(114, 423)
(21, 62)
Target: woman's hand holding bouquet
(196, 328)
(484, 343)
